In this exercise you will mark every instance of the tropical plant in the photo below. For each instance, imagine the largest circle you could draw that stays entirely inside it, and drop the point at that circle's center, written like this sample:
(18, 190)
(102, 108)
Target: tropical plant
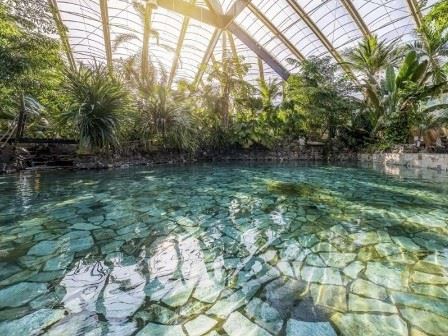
(432, 45)
(371, 56)
(324, 97)
(30, 117)
(438, 15)
(30, 66)
(398, 103)
(98, 102)
(166, 122)
(140, 66)
(229, 74)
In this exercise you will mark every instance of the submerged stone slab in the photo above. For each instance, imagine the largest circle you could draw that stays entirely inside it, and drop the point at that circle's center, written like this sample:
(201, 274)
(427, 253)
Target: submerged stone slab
(388, 275)
(44, 248)
(387, 249)
(370, 324)
(179, 294)
(431, 290)
(365, 238)
(226, 306)
(302, 328)
(156, 313)
(337, 260)
(20, 294)
(264, 315)
(369, 289)
(60, 262)
(431, 323)
(361, 304)
(427, 278)
(353, 269)
(406, 243)
(32, 324)
(333, 297)
(152, 329)
(432, 304)
(323, 275)
(200, 325)
(237, 325)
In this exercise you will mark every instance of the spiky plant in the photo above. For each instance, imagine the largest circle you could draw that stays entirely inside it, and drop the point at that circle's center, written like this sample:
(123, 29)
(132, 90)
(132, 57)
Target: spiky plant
(98, 101)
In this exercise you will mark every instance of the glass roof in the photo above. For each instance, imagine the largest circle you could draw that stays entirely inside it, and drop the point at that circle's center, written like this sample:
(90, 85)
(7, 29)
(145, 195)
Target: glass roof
(313, 28)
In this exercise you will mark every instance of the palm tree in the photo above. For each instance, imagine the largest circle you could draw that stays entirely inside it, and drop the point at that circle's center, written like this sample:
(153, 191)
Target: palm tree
(432, 44)
(372, 56)
(140, 66)
(228, 74)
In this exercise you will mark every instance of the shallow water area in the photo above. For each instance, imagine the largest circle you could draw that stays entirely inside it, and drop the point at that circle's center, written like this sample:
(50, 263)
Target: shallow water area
(224, 250)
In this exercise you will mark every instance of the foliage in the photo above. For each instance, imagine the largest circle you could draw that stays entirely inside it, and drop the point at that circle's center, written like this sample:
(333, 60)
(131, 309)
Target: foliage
(398, 102)
(438, 15)
(98, 102)
(229, 75)
(372, 56)
(165, 122)
(32, 15)
(323, 96)
(30, 64)
(432, 45)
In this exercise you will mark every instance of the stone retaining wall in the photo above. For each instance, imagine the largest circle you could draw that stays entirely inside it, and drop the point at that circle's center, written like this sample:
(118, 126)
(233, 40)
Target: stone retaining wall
(66, 156)
(412, 160)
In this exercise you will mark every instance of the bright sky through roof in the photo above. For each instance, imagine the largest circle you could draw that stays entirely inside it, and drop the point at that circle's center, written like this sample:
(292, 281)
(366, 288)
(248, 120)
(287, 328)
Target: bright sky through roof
(386, 18)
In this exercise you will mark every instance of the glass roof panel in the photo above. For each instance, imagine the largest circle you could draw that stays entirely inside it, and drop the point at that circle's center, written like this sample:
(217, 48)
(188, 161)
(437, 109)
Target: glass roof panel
(334, 21)
(195, 44)
(83, 19)
(290, 24)
(262, 34)
(388, 19)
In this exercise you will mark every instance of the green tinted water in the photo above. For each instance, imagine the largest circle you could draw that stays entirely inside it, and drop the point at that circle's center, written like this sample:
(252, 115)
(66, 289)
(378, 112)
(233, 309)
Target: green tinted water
(223, 250)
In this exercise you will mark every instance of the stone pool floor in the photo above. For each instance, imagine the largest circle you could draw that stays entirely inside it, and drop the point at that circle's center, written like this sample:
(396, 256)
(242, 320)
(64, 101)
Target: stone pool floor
(223, 250)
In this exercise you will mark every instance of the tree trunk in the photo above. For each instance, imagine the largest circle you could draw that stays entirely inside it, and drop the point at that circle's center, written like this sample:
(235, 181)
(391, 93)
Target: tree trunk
(146, 38)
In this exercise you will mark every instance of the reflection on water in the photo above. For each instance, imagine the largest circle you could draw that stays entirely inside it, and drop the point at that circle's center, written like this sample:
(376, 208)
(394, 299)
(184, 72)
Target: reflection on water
(224, 250)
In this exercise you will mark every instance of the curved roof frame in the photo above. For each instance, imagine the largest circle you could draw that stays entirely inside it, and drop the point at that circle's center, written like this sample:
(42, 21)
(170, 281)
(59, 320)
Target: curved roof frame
(277, 35)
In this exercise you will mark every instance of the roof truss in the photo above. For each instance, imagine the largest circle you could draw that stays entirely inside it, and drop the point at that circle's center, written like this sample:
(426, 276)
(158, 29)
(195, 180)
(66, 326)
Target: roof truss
(415, 11)
(310, 23)
(104, 8)
(276, 32)
(62, 31)
(348, 4)
(224, 22)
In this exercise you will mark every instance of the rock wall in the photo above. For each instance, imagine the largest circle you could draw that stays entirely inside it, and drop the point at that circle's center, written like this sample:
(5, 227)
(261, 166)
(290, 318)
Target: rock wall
(66, 156)
(412, 160)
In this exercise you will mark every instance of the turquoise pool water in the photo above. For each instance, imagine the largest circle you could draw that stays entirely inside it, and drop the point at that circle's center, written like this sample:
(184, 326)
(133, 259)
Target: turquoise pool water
(224, 250)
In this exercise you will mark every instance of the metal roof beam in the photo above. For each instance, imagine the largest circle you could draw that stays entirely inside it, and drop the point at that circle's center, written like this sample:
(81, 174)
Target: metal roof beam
(208, 53)
(350, 7)
(259, 50)
(214, 6)
(310, 23)
(192, 11)
(276, 32)
(180, 44)
(415, 11)
(62, 31)
(236, 9)
(106, 32)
